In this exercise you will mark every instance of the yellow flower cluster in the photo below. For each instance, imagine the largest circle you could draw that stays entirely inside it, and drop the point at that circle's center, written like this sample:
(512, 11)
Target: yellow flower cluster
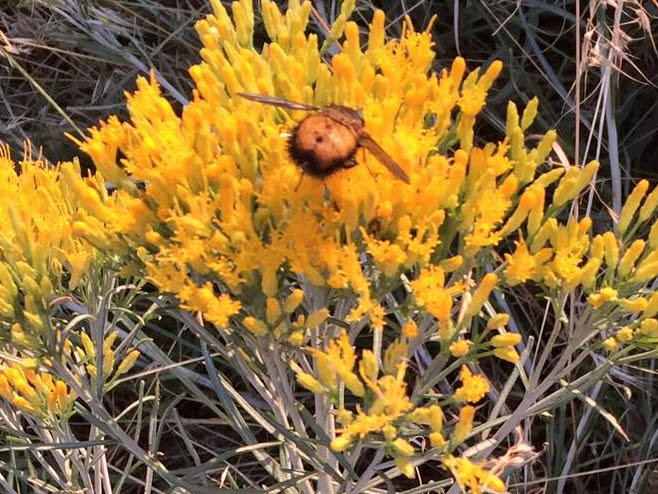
(40, 256)
(564, 257)
(629, 266)
(385, 397)
(386, 411)
(223, 210)
(110, 370)
(385, 400)
(472, 476)
(48, 398)
(474, 386)
(279, 322)
(35, 392)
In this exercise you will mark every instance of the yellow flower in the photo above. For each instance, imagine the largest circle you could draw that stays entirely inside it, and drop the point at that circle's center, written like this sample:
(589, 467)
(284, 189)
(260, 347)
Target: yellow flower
(435, 418)
(372, 309)
(645, 272)
(406, 467)
(573, 182)
(410, 329)
(486, 208)
(507, 353)
(605, 294)
(224, 213)
(388, 257)
(430, 292)
(653, 235)
(631, 205)
(310, 383)
(87, 354)
(522, 265)
(344, 417)
(649, 206)
(465, 424)
(497, 321)
(472, 101)
(272, 310)
(390, 395)
(652, 306)
(452, 263)
(610, 344)
(649, 327)
(460, 348)
(341, 443)
(229, 224)
(216, 308)
(570, 244)
(473, 476)
(481, 294)
(255, 326)
(316, 318)
(506, 339)
(431, 415)
(368, 367)
(127, 363)
(611, 249)
(629, 258)
(389, 405)
(394, 356)
(402, 447)
(293, 300)
(625, 334)
(532, 199)
(474, 387)
(637, 304)
(339, 360)
(437, 440)
(362, 425)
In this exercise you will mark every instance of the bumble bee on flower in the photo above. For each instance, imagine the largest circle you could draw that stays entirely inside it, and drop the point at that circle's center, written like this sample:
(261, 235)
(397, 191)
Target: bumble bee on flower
(327, 139)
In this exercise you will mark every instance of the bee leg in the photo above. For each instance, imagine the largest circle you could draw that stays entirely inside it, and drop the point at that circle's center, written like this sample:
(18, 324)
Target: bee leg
(301, 177)
(350, 163)
(365, 162)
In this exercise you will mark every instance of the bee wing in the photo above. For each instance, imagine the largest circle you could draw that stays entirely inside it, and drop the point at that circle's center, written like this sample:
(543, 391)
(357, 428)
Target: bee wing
(384, 158)
(272, 100)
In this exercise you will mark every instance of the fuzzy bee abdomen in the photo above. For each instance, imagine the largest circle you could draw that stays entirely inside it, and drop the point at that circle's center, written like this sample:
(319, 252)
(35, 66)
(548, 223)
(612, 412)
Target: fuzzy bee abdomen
(320, 145)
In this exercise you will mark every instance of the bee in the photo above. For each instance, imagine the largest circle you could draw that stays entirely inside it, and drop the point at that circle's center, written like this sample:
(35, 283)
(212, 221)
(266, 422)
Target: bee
(326, 140)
